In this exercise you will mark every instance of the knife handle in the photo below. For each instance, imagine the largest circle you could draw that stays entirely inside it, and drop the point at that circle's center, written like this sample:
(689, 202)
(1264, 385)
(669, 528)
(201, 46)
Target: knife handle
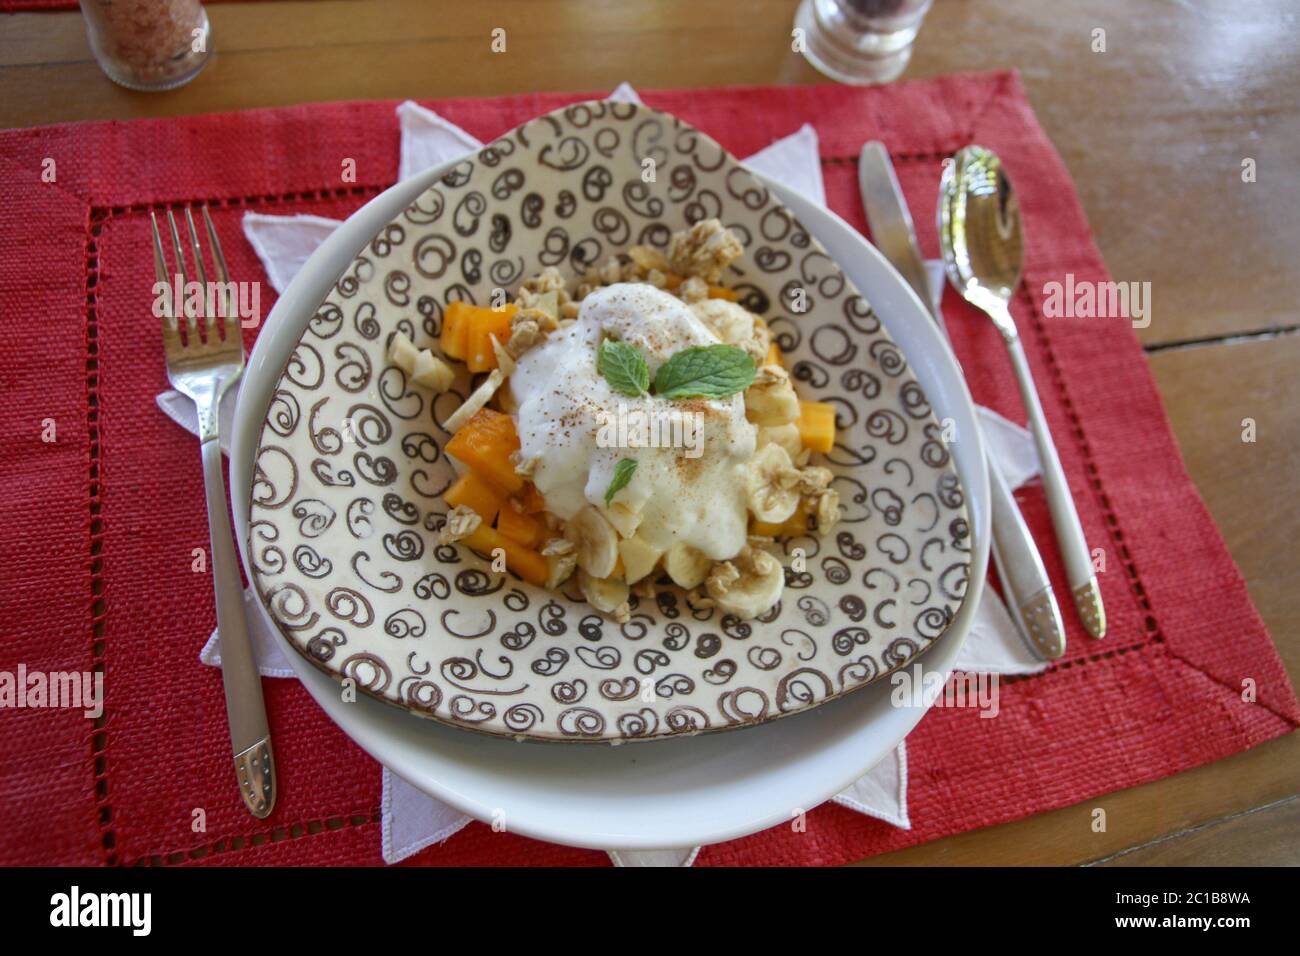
(1024, 579)
(250, 735)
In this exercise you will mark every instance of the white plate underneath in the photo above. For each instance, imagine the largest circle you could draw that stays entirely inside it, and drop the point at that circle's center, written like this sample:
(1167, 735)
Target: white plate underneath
(672, 793)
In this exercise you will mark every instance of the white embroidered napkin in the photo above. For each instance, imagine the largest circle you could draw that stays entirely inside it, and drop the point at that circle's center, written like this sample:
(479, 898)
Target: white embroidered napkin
(411, 819)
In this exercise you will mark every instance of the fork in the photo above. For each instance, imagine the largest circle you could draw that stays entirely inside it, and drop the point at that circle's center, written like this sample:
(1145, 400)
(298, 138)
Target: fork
(204, 358)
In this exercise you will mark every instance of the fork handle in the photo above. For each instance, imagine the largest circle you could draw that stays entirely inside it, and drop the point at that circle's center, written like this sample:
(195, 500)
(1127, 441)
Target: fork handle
(250, 736)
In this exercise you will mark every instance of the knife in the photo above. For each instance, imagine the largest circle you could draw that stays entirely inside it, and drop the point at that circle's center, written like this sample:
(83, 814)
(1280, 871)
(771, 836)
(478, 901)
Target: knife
(1025, 583)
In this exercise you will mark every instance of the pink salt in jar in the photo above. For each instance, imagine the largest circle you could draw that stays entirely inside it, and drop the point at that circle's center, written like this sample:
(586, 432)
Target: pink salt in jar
(148, 44)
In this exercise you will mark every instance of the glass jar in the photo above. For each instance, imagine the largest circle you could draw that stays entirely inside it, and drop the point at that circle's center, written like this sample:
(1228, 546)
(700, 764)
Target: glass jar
(148, 44)
(860, 41)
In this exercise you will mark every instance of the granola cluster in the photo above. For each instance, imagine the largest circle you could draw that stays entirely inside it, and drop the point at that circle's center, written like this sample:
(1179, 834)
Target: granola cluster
(695, 260)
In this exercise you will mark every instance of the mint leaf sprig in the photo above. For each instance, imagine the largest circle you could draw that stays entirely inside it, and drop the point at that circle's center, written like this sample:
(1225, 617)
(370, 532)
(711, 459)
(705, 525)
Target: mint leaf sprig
(623, 472)
(705, 371)
(624, 368)
(702, 371)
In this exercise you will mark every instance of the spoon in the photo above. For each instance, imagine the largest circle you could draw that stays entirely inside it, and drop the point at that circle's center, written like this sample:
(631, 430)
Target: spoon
(983, 249)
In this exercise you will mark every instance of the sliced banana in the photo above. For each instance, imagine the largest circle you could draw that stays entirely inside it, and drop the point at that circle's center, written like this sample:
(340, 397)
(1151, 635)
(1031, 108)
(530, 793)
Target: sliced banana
(787, 436)
(639, 558)
(748, 585)
(606, 595)
(402, 352)
(432, 372)
(772, 484)
(595, 542)
(771, 400)
(477, 400)
(560, 561)
(687, 566)
(624, 518)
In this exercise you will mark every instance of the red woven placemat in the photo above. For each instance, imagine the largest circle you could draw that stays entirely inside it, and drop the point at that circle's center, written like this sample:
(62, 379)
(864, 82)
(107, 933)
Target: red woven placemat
(99, 525)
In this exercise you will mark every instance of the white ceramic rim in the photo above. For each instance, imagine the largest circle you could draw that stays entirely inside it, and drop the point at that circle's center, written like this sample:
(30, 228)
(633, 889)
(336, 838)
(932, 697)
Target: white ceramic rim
(671, 793)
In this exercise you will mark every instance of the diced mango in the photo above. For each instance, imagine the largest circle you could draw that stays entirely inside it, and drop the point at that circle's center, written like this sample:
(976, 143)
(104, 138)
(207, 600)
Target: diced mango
(520, 527)
(721, 292)
(480, 356)
(774, 356)
(466, 329)
(485, 444)
(455, 329)
(523, 561)
(791, 527)
(816, 425)
(472, 492)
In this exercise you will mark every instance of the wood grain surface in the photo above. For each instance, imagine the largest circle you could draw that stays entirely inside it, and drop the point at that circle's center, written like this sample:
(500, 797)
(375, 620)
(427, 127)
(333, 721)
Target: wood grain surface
(1154, 130)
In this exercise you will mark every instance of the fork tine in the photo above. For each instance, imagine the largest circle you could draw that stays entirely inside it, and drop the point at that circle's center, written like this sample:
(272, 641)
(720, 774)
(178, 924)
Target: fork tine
(211, 328)
(219, 260)
(168, 317)
(180, 269)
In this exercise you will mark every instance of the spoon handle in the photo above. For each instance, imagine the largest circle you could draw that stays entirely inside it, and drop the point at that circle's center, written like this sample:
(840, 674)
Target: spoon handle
(1065, 519)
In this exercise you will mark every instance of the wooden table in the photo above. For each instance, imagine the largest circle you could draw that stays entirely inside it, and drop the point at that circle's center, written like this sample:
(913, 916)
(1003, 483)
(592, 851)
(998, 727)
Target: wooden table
(1154, 131)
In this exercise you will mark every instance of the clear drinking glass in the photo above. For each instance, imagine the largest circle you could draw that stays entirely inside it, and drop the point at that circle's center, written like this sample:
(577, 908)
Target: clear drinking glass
(148, 44)
(860, 41)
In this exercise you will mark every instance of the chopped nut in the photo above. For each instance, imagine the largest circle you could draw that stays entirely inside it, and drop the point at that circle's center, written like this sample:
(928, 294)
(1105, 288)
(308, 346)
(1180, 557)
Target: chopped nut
(524, 467)
(723, 576)
(548, 280)
(461, 523)
(645, 588)
(648, 259)
(523, 336)
(557, 546)
(528, 327)
(693, 290)
(827, 510)
(622, 614)
(704, 250)
(611, 271)
(569, 310)
(545, 321)
(815, 479)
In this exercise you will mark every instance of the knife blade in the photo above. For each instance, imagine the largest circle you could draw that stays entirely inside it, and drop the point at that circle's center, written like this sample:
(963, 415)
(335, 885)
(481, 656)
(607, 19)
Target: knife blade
(891, 223)
(1030, 598)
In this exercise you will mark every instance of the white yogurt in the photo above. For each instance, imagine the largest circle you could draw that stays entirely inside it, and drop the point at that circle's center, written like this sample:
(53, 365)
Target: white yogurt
(676, 494)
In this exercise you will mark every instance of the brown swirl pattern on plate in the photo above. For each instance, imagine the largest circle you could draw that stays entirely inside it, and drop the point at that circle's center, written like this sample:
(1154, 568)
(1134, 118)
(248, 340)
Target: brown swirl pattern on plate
(350, 470)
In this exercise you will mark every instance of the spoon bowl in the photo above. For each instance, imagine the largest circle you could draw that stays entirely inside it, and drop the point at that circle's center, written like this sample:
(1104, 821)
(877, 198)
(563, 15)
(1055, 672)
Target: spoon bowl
(979, 226)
